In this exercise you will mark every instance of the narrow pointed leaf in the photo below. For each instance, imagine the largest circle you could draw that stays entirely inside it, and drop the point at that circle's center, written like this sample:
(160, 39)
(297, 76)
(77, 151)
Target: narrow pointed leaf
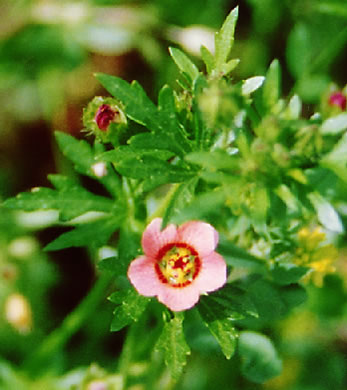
(224, 39)
(184, 63)
(207, 58)
(271, 87)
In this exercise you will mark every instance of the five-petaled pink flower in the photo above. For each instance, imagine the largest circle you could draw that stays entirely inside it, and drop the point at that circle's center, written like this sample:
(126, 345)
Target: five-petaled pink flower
(179, 264)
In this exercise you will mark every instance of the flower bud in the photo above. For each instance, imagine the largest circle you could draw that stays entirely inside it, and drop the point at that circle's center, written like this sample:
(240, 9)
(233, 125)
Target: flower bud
(18, 312)
(338, 99)
(105, 119)
(99, 169)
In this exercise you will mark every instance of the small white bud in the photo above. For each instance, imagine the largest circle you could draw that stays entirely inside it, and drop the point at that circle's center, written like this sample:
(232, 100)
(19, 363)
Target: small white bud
(99, 169)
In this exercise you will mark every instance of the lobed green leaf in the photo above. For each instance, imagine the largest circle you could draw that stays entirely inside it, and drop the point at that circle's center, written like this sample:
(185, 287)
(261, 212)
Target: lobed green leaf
(174, 346)
(70, 200)
(130, 307)
(94, 233)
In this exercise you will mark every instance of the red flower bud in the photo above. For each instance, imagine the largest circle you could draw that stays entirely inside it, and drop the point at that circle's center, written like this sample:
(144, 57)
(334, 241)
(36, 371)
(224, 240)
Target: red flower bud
(338, 99)
(104, 116)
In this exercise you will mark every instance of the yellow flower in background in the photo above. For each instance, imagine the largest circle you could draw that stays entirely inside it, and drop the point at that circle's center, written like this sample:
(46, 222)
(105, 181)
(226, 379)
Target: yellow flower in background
(313, 253)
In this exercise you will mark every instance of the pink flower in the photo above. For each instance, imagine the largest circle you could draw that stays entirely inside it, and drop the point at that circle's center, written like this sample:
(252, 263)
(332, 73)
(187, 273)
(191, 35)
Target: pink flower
(178, 264)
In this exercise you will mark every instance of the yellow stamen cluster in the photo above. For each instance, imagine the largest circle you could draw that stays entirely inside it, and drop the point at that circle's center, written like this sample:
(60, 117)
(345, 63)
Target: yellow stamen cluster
(178, 265)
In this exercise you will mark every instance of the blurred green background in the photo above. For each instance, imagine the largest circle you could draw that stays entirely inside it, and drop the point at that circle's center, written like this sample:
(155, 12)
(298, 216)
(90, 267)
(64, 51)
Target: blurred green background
(49, 51)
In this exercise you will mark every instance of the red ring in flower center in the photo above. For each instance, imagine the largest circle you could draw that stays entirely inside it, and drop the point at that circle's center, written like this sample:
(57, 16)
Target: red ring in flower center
(178, 264)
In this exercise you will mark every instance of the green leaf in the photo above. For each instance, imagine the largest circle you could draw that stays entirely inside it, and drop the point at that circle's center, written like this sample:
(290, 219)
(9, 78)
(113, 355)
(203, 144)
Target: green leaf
(336, 160)
(334, 8)
(267, 300)
(298, 51)
(334, 125)
(287, 273)
(148, 140)
(77, 151)
(271, 87)
(222, 329)
(229, 66)
(82, 155)
(149, 167)
(70, 200)
(326, 213)
(214, 160)
(94, 233)
(181, 196)
(293, 295)
(259, 358)
(201, 206)
(130, 307)
(113, 264)
(184, 63)
(224, 39)
(238, 257)
(207, 58)
(229, 302)
(174, 346)
(286, 195)
(127, 152)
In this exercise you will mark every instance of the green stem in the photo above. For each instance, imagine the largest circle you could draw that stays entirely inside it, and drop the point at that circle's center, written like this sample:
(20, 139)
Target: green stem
(71, 324)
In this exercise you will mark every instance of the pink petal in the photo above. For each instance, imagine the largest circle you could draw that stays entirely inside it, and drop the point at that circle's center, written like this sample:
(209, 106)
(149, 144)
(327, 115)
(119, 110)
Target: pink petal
(143, 277)
(200, 235)
(213, 273)
(178, 299)
(153, 239)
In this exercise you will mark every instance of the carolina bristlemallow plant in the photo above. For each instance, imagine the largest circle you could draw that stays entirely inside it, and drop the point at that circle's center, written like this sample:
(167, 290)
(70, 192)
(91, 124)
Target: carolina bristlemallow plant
(220, 205)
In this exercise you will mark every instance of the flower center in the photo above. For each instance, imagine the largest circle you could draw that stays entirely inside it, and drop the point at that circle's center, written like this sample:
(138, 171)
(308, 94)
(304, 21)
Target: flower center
(177, 264)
